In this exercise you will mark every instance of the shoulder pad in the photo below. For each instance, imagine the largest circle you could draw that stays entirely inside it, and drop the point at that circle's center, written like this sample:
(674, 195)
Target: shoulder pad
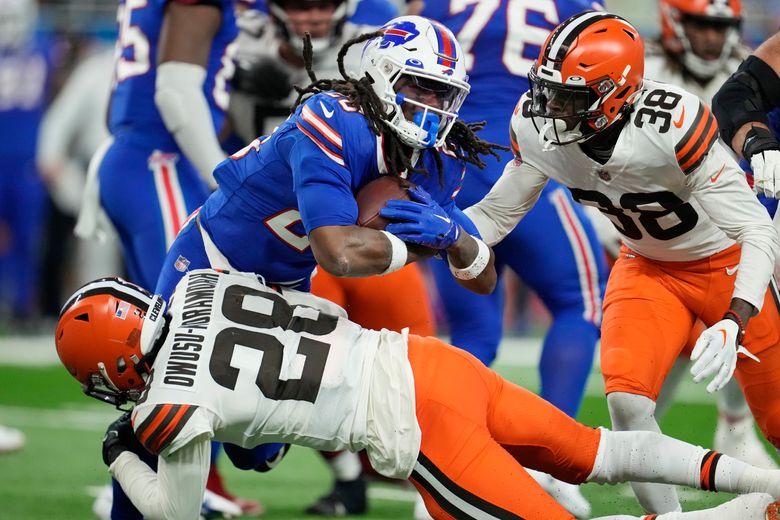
(326, 118)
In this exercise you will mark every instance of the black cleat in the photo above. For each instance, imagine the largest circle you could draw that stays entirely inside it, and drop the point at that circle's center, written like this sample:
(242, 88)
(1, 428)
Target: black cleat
(348, 497)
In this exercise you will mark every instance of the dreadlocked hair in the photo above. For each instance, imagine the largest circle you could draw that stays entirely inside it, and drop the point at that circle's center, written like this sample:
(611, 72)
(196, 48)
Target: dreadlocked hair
(461, 139)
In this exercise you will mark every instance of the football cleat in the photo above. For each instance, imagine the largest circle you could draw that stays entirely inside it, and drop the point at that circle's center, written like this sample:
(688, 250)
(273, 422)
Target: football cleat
(348, 497)
(773, 511)
(10, 439)
(739, 439)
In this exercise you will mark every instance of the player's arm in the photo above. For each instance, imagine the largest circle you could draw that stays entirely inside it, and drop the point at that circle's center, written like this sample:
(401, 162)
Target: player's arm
(175, 491)
(721, 189)
(744, 99)
(185, 43)
(512, 196)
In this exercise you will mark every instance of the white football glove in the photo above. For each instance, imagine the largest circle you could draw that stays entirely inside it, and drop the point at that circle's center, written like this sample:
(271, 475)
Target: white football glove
(766, 173)
(715, 354)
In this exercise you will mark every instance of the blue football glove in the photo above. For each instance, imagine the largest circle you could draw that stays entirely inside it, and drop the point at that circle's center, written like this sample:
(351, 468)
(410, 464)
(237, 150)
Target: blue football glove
(422, 220)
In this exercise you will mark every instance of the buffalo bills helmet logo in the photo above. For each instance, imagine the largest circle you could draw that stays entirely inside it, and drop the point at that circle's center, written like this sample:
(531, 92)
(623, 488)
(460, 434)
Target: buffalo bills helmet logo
(398, 34)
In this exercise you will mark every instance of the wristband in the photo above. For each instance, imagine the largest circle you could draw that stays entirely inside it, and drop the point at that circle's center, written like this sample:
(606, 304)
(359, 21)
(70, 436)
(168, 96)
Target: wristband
(477, 266)
(733, 316)
(398, 253)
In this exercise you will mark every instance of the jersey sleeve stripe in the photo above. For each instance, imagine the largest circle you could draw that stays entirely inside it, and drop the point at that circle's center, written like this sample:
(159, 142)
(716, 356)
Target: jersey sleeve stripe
(172, 428)
(322, 127)
(332, 155)
(152, 422)
(513, 142)
(700, 137)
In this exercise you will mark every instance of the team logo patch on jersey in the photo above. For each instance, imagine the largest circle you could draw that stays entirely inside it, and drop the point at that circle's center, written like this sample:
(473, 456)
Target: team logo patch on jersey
(122, 310)
(181, 264)
(604, 175)
(398, 34)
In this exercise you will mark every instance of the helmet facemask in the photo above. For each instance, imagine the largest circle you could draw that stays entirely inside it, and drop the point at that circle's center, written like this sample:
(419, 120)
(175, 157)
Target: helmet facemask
(319, 44)
(570, 112)
(698, 66)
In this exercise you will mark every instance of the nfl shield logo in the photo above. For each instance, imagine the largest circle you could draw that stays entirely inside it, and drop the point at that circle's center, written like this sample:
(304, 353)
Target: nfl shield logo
(604, 175)
(181, 264)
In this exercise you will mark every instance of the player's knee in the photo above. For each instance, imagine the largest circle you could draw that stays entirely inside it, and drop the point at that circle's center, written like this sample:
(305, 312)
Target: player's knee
(630, 411)
(770, 427)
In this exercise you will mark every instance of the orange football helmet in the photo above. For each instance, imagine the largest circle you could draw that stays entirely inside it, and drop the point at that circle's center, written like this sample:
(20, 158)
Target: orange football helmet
(105, 335)
(719, 13)
(587, 75)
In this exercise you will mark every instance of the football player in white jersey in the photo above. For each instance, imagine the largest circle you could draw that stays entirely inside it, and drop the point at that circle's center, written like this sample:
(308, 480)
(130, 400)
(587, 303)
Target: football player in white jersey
(697, 243)
(306, 375)
(699, 47)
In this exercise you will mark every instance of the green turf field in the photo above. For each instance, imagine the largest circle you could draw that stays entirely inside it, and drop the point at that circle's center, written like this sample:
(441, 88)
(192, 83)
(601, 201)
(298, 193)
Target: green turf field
(52, 477)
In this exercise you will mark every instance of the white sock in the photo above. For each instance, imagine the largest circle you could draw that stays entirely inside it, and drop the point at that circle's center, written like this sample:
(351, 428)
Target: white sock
(345, 466)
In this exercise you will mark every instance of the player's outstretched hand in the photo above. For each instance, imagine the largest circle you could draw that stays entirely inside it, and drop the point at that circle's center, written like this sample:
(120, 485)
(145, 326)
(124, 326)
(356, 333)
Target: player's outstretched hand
(119, 437)
(715, 354)
(766, 173)
(421, 220)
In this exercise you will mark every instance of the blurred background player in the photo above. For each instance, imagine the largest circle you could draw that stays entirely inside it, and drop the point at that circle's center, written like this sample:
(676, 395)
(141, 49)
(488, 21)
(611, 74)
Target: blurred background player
(73, 127)
(269, 63)
(169, 99)
(554, 250)
(27, 62)
(699, 47)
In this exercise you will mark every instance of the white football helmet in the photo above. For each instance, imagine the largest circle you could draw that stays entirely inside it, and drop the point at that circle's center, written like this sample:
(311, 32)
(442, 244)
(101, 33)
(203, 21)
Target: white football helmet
(17, 22)
(428, 54)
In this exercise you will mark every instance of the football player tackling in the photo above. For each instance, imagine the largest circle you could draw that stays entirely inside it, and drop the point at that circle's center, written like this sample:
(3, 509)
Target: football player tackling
(234, 360)
(697, 242)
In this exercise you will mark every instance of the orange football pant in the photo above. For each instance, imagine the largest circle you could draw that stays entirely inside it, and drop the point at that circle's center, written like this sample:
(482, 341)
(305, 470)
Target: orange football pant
(649, 310)
(392, 301)
(479, 431)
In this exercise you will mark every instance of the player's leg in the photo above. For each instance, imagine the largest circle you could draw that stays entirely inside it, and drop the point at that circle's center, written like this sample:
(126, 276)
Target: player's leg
(644, 328)
(393, 301)
(555, 251)
(148, 196)
(754, 506)
(475, 321)
(461, 470)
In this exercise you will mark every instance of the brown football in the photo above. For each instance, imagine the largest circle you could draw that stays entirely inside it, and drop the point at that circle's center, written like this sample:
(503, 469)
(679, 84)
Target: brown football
(372, 197)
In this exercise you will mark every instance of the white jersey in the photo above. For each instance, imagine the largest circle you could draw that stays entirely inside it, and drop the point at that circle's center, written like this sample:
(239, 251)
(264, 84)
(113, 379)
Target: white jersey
(245, 364)
(260, 39)
(660, 66)
(670, 188)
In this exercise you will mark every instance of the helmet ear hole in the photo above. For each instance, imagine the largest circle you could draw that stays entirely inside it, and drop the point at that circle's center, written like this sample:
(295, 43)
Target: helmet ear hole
(82, 317)
(121, 365)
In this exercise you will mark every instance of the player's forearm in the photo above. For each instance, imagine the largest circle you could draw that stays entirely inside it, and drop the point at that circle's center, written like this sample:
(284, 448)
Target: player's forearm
(175, 491)
(513, 195)
(465, 254)
(354, 251)
(186, 114)
(753, 276)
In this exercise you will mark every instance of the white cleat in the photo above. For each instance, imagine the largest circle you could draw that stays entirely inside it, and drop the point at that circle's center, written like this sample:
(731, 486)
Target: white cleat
(10, 440)
(568, 495)
(739, 439)
(101, 507)
(753, 506)
(420, 512)
(215, 506)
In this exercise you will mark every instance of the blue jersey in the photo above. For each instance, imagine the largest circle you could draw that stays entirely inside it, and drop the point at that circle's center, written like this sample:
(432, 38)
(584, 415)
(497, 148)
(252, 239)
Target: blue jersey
(25, 74)
(303, 176)
(132, 106)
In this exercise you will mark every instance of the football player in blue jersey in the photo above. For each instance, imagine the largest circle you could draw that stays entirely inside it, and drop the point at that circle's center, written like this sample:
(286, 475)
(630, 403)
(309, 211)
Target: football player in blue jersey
(167, 107)
(554, 250)
(26, 65)
(286, 202)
